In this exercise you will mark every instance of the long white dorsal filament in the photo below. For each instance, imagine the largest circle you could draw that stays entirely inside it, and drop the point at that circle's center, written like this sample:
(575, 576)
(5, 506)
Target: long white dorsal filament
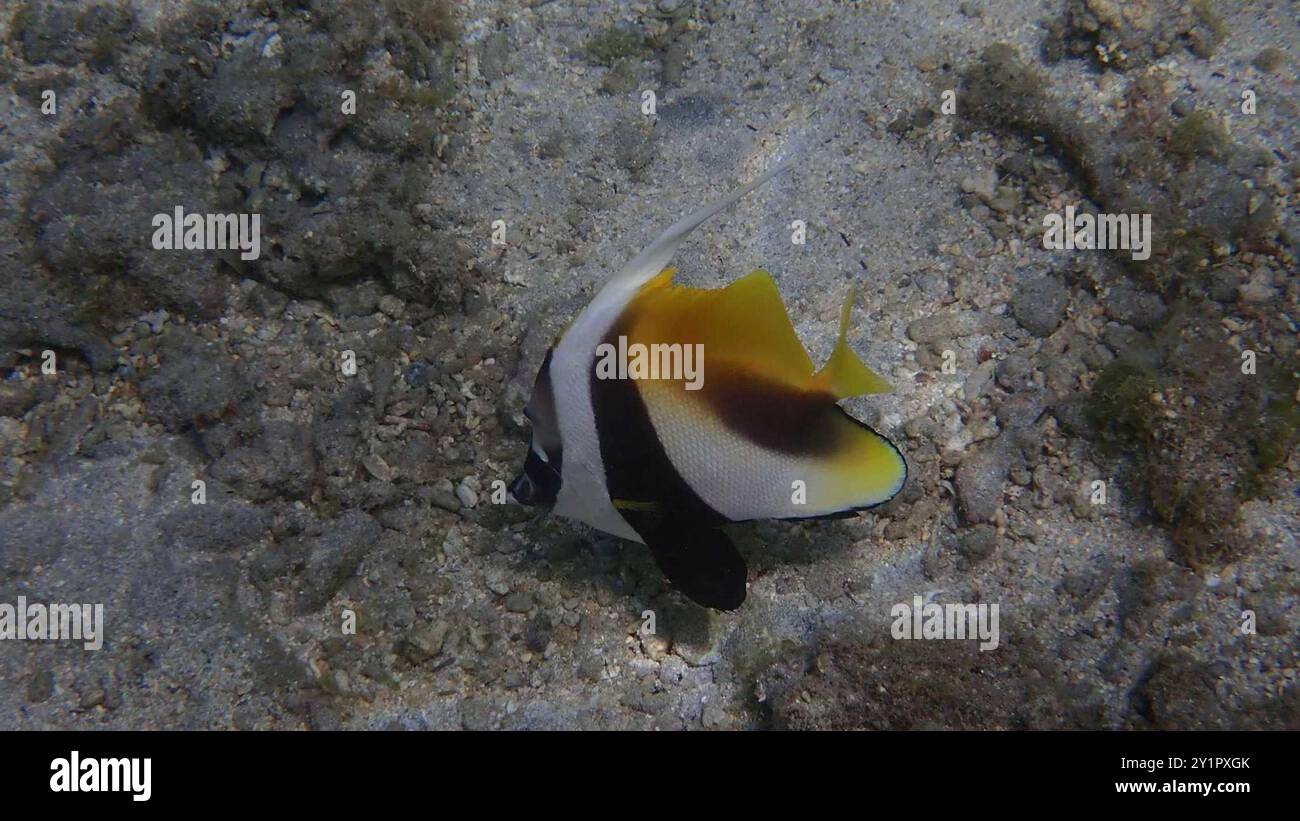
(656, 256)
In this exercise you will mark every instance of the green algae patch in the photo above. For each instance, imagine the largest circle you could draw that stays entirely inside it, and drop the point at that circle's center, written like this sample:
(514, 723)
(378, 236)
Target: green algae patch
(883, 684)
(1201, 188)
(1202, 435)
(1121, 404)
(433, 20)
(1270, 60)
(1199, 135)
(616, 43)
(220, 81)
(1004, 94)
(1199, 435)
(1130, 35)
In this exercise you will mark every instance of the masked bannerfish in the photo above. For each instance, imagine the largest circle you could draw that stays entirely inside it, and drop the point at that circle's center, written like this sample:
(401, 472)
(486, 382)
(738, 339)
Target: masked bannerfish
(662, 457)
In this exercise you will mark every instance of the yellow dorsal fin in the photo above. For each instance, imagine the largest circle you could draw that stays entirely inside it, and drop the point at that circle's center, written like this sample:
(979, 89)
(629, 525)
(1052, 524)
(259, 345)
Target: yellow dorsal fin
(744, 324)
(663, 279)
(844, 374)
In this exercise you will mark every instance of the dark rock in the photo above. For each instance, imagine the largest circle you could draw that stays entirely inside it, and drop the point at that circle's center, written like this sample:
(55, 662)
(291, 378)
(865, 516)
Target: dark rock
(333, 557)
(477, 714)
(632, 145)
(537, 635)
(980, 478)
(1130, 344)
(673, 62)
(415, 461)
(1129, 306)
(196, 382)
(281, 462)
(494, 56)
(519, 602)
(425, 642)
(268, 302)
(357, 299)
(1039, 305)
(1022, 411)
(45, 328)
(69, 35)
(691, 111)
(81, 237)
(17, 397)
(40, 686)
(1086, 586)
(1178, 693)
(219, 525)
(1071, 415)
(978, 543)
(1014, 372)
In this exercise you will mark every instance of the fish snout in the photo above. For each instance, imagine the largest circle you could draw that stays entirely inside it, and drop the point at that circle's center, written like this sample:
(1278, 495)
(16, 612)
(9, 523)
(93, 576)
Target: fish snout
(523, 490)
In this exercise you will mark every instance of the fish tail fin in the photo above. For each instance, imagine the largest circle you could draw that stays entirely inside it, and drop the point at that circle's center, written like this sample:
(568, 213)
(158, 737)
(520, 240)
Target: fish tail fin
(844, 374)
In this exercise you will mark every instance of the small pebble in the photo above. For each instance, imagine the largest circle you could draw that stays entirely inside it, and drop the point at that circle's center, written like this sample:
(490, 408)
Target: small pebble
(466, 495)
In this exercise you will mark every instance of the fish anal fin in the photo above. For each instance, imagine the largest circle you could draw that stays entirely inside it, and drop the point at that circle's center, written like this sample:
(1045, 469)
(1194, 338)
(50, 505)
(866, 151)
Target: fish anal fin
(701, 561)
(844, 374)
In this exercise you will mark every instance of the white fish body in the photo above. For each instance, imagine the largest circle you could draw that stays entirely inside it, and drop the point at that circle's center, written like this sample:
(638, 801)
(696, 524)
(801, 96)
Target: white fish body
(583, 494)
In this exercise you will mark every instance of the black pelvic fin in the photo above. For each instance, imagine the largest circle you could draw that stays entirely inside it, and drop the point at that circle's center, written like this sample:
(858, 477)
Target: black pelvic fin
(700, 561)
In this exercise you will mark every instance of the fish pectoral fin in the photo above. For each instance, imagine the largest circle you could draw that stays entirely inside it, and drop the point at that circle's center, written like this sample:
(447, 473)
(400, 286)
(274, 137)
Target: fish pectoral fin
(844, 374)
(700, 561)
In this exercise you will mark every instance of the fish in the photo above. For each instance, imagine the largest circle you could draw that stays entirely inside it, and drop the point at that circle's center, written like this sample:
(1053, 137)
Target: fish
(669, 460)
